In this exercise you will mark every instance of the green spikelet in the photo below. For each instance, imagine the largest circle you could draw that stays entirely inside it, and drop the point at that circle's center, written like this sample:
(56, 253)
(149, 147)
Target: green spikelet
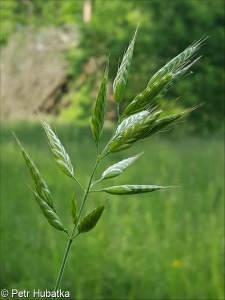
(90, 221)
(48, 212)
(73, 209)
(120, 81)
(145, 99)
(61, 157)
(116, 169)
(98, 116)
(164, 79)
(164, 122)
(132, 189)
(39, 183)
(180, 61)
(131, 130)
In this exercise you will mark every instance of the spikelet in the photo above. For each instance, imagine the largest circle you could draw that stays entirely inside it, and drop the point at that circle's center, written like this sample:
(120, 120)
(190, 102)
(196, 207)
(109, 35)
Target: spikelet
(116, 169)
(131, 130)
(180, 61)
(73, 209)
(164, 79)
(132, 189)
(145, 98)
(120, 81)
(98, 116)
(48, 212)
(90, 221)
(164, 122)
(39, 183)
(61, 157)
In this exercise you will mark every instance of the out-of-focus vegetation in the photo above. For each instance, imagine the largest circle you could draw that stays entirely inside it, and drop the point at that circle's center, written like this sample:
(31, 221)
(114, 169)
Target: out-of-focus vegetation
(166, 28)
(163, 245)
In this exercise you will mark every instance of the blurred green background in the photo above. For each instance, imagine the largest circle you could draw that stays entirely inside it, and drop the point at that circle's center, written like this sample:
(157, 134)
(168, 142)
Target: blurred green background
(165, 245)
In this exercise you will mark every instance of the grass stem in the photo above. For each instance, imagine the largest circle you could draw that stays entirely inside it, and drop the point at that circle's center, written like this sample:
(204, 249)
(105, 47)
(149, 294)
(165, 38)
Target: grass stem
(63, 264)
(118, 111)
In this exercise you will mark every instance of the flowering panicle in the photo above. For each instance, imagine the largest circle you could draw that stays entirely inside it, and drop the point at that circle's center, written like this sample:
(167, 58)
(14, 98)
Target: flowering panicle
(142, 118)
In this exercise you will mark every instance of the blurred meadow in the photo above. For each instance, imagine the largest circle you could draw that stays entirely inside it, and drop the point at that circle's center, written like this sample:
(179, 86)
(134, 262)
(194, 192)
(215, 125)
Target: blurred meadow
(166, 245)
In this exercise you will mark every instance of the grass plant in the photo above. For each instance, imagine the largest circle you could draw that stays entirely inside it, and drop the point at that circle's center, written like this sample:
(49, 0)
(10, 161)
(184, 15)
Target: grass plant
(144, 116)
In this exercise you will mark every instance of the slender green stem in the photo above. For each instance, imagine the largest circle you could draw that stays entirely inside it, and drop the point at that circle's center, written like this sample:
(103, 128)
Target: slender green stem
(86, 195)
(95, 191)
(63, 266)
(96, 182)
(118, 111)
(74, 229)
(97, 148)
(79, 183)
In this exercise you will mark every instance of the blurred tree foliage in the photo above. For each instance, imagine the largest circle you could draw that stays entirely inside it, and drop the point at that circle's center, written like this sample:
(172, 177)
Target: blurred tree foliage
(166, 28)
(18, 13)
